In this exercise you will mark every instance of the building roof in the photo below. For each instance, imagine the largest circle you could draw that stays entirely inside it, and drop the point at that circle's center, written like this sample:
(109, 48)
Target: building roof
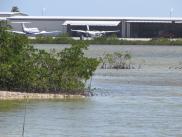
(2, 19)
(145, 21)
(76, 18)
(9, 14)
(92, 23)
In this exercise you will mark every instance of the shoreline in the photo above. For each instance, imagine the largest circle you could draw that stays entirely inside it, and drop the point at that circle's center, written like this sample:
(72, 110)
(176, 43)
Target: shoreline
(107, 41)
(11, 95)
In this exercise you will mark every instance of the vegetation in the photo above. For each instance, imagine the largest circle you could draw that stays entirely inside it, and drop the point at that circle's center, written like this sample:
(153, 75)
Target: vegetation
(112, 40)
(24, 68)
(62, 39)
(15, 9)
(117, 60)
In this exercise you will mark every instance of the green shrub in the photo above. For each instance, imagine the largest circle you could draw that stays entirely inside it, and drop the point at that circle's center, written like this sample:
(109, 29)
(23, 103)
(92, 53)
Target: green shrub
(24, 68)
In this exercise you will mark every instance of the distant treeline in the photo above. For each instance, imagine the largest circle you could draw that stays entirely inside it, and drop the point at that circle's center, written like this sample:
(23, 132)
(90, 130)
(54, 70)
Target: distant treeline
(24, 68)
(111, 40)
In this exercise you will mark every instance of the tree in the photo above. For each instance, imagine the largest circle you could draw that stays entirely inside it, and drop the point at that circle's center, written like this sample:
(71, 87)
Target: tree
(15, 9)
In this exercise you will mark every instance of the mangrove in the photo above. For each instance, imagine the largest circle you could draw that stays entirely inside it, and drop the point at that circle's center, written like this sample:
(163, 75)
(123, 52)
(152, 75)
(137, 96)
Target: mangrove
(24, 68)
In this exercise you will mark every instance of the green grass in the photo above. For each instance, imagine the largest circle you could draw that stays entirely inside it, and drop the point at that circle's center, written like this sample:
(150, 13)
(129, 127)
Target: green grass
(105, 40)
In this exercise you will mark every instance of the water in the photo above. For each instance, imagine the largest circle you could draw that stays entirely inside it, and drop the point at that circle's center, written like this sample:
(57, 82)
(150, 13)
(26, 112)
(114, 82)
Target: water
(127, 103)
(148, 56)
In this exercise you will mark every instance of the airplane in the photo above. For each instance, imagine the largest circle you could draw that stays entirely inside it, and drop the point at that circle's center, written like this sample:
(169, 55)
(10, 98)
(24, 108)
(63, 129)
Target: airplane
(33, 31)
(92, 33)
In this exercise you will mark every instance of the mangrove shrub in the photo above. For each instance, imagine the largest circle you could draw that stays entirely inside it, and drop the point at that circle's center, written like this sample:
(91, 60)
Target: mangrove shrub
(24, 68)
(116, 60)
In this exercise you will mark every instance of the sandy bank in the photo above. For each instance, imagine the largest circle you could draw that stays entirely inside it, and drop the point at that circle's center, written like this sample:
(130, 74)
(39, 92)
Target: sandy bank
(7, 95)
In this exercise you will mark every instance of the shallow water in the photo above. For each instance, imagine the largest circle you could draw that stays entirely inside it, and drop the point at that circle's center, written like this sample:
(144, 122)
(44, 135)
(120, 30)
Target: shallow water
(146, 56)
(116, 110)
(126, 103)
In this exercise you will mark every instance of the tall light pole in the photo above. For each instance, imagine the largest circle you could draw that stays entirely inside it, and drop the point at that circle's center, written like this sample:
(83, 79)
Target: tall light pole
(171, 12)
(43, 11)
(171, 28)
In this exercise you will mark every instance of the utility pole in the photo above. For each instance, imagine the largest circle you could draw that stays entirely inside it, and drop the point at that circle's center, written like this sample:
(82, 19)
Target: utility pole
(171, 12)
(43, 11)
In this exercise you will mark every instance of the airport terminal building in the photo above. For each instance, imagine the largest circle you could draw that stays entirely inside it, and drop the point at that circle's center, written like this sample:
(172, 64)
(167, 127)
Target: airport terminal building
(129, 27)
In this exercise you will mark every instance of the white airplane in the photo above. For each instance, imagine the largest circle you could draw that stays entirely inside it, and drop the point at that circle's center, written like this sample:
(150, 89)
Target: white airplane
(32, 31)
(92, 33)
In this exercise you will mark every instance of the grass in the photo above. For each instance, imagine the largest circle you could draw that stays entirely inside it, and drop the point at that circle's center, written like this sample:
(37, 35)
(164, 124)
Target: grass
(104, 40)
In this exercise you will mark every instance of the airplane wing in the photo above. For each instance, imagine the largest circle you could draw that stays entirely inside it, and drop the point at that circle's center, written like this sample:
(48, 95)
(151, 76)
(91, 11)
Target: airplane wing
(17, 32)
(79, 31)
(47, 32)
(114, 31)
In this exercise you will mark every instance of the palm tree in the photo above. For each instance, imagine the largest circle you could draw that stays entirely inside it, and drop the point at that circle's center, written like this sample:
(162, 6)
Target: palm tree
(15, 9)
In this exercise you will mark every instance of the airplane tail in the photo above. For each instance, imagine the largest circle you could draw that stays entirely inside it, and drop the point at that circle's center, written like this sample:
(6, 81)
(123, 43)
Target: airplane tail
(88, 28)
(23, 26)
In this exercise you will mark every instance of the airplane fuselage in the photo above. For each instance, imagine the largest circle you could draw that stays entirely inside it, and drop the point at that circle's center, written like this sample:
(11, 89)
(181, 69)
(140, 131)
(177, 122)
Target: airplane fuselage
(31, 30)
(34, 31)
(94, 33)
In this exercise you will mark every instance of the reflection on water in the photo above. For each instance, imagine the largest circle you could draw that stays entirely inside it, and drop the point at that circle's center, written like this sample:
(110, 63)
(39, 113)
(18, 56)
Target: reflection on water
(127, 103)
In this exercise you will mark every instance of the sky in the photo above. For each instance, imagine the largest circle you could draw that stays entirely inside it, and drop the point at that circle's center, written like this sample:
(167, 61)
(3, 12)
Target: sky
(131, 8)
